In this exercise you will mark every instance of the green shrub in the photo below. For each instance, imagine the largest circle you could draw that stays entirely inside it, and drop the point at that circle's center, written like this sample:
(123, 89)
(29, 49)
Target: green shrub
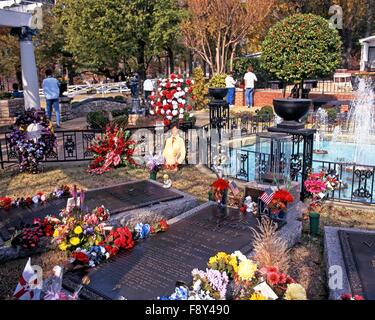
(5, 95)
(332, 115)
(300, 47)
(200, 90)
(121, 121)
(97, 120)
(217, 81)
(119, 113)
(265, 113)
(119, 98)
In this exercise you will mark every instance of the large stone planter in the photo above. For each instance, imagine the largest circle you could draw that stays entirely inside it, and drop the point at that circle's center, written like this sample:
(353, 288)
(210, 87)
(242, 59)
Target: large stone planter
(292, 111)
(218, 93)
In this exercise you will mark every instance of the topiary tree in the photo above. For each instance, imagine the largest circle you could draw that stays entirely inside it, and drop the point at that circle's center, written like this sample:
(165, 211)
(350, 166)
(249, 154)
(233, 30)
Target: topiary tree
(200, 89)
(300, 47)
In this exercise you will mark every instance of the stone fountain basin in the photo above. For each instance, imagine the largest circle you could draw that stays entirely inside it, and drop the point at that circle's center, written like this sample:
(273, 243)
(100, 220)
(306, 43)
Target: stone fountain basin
(291, 109)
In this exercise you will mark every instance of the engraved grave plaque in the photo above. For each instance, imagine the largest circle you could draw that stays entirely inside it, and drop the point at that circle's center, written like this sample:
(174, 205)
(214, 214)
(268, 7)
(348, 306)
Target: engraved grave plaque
(152, 268)
(358, 249)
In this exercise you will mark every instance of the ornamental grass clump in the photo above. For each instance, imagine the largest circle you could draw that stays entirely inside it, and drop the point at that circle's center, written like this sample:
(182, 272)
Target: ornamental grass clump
(269, 248)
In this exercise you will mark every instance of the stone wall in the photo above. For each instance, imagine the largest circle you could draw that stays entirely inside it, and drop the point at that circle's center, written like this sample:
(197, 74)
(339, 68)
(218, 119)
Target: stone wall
(265, 97)
(82, 109)
(9, 109)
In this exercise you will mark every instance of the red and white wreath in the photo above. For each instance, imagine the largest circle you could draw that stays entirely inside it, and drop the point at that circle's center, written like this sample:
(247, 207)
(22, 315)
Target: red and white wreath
(172, 98)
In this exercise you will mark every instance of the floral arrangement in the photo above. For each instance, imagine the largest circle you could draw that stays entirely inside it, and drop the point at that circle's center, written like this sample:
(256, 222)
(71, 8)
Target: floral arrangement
(170, 101)
(32, 138)
(319, 185)
(79, 229)
(114, 149)
(154, 162)
(234, 276)
(117, 240)
(30, 237)
(40, 198)
(219, 190)
(86, 234)
(280, 200)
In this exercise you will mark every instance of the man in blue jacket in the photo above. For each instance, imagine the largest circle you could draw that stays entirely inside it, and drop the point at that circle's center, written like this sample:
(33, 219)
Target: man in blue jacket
(51, 89)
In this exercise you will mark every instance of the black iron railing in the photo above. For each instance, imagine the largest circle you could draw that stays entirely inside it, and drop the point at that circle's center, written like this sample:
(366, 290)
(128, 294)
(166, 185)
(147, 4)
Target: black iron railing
(356, 181)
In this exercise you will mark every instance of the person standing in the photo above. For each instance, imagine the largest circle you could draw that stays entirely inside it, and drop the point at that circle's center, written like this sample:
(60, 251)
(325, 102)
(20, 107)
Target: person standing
(51, 89)
(16, 93)
(148, 87)
(230, 83)
(134, 85)
(250, 79)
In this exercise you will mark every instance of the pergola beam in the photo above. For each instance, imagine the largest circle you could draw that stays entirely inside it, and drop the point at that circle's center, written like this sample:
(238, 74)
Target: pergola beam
(15, 19)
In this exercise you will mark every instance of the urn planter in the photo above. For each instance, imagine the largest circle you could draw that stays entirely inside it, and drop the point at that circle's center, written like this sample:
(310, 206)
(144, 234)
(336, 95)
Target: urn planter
(218, 93)
(292, 111)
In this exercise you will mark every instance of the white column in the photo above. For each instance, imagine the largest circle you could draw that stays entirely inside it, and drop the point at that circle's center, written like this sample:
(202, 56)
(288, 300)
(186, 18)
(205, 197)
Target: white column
(364, 57)
(29, 75)
(28, 65)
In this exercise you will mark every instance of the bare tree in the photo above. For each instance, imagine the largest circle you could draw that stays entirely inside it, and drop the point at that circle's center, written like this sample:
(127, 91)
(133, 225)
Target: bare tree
(216, 28)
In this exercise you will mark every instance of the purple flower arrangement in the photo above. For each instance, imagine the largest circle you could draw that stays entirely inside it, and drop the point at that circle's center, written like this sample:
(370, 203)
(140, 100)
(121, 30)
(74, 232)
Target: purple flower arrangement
(32, 138)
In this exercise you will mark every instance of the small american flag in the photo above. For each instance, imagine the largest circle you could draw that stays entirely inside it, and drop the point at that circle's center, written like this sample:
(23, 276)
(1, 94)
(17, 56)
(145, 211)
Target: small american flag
(267, 195)
(233, 187)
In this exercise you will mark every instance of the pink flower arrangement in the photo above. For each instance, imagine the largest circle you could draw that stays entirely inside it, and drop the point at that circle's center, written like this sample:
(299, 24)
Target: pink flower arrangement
(319, 185)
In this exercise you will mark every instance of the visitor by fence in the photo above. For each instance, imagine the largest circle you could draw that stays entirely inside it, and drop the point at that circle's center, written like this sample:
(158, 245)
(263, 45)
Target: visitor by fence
(250, 79)
(51, 90)
(231, 86)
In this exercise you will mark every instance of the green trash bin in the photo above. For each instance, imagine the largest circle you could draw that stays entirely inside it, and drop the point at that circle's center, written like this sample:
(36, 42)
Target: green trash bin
(314, 223)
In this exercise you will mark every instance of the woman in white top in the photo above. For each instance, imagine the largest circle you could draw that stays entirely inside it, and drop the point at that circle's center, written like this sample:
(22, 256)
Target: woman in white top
(148, 87)
(231, 86)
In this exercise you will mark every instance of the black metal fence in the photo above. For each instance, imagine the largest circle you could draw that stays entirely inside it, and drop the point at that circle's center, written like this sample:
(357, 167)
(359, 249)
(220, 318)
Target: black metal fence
(356, 181)
(322, 86)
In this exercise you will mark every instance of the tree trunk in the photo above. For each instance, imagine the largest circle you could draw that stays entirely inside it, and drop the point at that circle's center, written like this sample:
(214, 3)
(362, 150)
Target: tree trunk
(370, 16)
(141, 60)
(190, 63)
(170, 60)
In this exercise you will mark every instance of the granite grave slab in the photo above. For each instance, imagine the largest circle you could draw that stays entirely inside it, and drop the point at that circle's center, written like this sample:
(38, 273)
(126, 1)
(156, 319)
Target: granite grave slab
(152, 268)
(118, 199)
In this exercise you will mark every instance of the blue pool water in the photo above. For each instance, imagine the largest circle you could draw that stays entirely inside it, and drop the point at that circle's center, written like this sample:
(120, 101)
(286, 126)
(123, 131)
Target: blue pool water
(338, 152)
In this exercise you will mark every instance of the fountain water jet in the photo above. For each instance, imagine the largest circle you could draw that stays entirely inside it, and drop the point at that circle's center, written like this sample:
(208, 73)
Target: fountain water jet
(321, 123)
(362, 119)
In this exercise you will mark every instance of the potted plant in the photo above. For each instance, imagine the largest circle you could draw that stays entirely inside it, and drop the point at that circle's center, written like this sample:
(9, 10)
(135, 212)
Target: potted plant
(219, 192)
(279, 205)
(217, 87)
(319, 185)
(154, 164)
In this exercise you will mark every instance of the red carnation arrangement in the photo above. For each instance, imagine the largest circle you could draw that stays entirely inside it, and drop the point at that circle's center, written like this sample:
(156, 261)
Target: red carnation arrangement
(280, 201)
(5, 203)
(114, 149)
(170, 102)
(120, 238)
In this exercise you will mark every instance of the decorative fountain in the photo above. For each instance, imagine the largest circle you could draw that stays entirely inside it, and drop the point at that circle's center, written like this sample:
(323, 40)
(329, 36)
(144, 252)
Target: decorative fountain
(321, 121)
(362, 119)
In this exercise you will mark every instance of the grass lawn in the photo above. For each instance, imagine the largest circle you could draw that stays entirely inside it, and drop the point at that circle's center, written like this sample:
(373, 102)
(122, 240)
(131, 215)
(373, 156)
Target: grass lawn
(307, 262)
